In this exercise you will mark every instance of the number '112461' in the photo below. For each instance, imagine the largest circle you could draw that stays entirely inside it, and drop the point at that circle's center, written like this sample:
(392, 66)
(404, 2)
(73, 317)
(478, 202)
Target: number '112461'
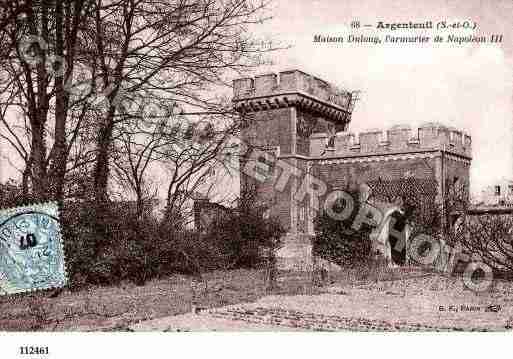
(29, 350)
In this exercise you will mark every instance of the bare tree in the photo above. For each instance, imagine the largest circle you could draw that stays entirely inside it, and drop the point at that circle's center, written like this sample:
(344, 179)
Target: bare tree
(79, 73)
(135, 152)
(175, 50)
(489, 236)
(483, 235)
(193, 160)
(41, 39)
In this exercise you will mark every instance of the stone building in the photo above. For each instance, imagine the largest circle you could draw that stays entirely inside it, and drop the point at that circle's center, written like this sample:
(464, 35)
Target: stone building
(299, 124)
(498, 194)
(206, 212)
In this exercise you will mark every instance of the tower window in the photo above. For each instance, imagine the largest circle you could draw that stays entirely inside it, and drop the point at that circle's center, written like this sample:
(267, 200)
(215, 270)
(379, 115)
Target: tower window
(302, 214)
(330, 143)
(497, 190)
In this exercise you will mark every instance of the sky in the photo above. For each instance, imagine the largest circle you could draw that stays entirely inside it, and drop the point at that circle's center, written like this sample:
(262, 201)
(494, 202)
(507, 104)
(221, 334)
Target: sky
(466, 86)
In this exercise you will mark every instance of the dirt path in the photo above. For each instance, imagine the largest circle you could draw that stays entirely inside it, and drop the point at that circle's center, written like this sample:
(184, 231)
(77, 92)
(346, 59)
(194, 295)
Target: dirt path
(429, 303)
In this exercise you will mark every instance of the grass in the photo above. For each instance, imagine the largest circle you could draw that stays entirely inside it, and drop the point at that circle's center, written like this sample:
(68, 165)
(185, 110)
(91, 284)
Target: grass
(115, 308)
(414, 295)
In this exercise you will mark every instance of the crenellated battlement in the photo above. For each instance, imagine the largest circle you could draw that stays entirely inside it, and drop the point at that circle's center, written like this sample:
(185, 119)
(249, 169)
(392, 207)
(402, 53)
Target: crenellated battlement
(292, 82)
(400, 138)
(296, 116)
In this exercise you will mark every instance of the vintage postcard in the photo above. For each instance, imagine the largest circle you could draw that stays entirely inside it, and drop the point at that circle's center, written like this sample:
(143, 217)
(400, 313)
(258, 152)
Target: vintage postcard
(256, 166)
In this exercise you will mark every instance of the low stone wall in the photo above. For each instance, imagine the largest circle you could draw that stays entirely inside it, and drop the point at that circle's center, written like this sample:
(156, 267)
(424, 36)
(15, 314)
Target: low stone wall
(319, 322)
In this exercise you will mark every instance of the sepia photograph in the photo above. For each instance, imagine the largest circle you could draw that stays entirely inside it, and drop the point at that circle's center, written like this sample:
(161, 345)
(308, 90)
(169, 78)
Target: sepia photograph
(266, 166)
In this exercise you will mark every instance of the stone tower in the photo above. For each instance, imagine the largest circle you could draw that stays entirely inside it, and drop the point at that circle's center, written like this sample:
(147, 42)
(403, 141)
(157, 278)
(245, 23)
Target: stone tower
(298, 150)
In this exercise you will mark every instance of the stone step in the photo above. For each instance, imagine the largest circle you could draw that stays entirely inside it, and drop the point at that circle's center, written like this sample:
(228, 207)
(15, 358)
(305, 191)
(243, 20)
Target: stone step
(295, 253)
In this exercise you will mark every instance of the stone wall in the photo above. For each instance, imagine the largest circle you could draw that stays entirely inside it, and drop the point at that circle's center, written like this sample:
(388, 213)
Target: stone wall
(270, 128)
(344, 174)
(396, 139)
(321, 322)
(290, 82)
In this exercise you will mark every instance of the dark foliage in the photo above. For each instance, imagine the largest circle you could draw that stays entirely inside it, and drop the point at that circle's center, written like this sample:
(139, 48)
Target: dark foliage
(419, 203)
(336, 241)
(140, 249)
(11, 195)
(137, 250)
(244, 236)
(127, 256)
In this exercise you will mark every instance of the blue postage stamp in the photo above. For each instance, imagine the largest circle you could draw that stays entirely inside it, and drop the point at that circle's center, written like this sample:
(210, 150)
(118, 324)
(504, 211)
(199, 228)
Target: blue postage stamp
(31, 250)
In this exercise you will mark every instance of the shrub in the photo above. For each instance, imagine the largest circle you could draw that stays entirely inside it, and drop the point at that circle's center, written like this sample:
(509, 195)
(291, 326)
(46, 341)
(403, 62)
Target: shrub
(185, 251)
(244, 237)
(124, 255)
(489, 237)
(138, 249)
(336, 241)
(11, 195)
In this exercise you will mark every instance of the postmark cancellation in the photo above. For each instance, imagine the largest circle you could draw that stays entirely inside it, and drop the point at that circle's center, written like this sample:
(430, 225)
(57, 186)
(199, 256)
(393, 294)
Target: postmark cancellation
(31, 249)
